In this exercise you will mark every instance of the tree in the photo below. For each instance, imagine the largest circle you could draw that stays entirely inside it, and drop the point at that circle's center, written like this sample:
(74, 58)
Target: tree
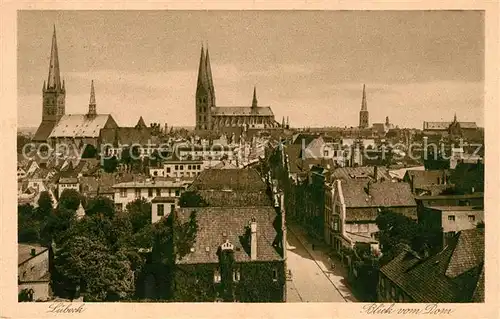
(70, 199)
(396, 229)
(139, 213)
(89, 152)
(55, 225)
(101, 274)
(28, 227)
(110, 164)
(25, 295)
(45, 205)
(100, 205)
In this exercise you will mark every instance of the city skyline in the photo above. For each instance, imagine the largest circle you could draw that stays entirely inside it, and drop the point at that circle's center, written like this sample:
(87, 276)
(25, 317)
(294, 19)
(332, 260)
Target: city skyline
(431, 65)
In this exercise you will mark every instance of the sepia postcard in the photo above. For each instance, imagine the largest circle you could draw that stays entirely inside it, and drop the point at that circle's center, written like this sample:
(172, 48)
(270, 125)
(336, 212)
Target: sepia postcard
(251, 159)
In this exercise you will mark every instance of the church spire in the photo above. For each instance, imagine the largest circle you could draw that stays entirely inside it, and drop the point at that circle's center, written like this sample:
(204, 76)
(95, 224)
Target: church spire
(92, 103)
(54, 79)
(363, 102)
(455, 117)
(209, 77)
(202, 70)
(254, 100)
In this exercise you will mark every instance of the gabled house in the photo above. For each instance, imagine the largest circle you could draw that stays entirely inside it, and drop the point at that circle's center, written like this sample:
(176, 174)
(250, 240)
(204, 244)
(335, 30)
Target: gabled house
(455, 274)
(234, 257)
(355, 205)
(428, 182)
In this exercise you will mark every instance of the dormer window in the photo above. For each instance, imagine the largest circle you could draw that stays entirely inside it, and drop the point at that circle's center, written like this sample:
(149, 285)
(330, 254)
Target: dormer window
(217, 277)
(236, 275)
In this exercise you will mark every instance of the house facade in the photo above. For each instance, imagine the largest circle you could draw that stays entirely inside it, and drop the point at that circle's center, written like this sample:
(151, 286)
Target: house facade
(33, 271)
(127, 192)
(354, 207)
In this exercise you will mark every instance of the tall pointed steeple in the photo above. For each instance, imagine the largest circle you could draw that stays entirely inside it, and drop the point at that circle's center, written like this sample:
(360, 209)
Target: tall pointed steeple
(363, 102)
(54, 79)
(363, 113)
(455, 117)
(202, 70)
(92, 103)
(254, 100)
(209, 77)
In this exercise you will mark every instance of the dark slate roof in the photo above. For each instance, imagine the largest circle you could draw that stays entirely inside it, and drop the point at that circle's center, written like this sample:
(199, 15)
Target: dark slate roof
(247, 180)
(126, 135)
(427, 177)
(380, 194)
(43, 131)
(216, 198)
(242, 111)
(218, 224)
(452, 275)
(162, 199)
(307, 138)
(362, 172)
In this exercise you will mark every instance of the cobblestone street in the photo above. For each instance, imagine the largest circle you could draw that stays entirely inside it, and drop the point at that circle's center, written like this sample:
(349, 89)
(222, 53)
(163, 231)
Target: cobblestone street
(312, 278)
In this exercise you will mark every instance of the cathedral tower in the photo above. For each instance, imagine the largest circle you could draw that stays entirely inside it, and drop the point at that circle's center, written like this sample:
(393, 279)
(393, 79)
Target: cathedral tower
(54, 92)
(363, 114)
(205, 93)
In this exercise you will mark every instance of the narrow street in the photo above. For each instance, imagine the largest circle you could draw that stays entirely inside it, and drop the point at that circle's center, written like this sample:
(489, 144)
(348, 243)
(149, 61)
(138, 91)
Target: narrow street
(312, 280)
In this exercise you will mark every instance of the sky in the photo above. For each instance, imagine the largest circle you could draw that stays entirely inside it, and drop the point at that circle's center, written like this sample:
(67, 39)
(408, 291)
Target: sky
(308, 65)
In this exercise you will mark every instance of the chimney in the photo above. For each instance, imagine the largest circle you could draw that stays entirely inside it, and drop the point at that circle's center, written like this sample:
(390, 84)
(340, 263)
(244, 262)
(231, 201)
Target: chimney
(253, 239)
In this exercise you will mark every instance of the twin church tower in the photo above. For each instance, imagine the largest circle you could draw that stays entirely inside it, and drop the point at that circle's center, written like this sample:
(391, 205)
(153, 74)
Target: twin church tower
(211, 117)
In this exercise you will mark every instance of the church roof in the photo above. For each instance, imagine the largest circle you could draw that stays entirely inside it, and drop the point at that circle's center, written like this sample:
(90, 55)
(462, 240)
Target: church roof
(242, 111)
(43, 131)
(80, 125)
(446, 125)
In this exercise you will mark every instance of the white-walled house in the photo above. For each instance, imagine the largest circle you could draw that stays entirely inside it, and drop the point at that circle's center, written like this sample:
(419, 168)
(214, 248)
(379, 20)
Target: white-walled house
(129, 191)
(162, 207)
(67, 183)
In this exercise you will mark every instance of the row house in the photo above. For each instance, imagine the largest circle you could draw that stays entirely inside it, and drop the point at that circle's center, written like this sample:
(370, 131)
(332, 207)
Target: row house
(238, 254)
(205, 152)
(453, 275)
(353, 206)
(449, 220)
(186, 168)
(127, 192)
(33, 271)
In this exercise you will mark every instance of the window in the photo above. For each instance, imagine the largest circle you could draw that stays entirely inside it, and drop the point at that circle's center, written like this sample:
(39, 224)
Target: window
(275, 275)
(176, 167)
(168, 169)
(217, 276)
(189, 167)
(177, 192)
(119, 206)
(150, 192)
(472, 218)
(325, 153)
(137, 193)
(181, 167)
(123, 192)
(236, 274)
(172, 208)
(158, 192)
(161, 210)
(451, 218)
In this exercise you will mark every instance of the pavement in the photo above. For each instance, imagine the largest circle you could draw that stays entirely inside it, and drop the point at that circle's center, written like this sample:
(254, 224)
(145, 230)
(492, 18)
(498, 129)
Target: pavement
(313, 280)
